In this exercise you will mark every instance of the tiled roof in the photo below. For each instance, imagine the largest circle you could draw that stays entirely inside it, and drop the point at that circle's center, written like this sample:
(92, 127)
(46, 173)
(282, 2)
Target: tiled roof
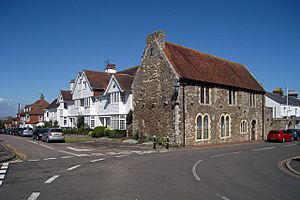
(125, 81)
(293, 101)
(53, 104)
(37, 111)
(38, 107)
(100, 80)
(130, 71)
(66, 95)
(97, 80)
(194, 65)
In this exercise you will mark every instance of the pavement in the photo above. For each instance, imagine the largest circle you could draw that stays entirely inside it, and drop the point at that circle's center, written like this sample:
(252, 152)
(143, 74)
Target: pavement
(5, 153)
(107, 170)
(295, 164)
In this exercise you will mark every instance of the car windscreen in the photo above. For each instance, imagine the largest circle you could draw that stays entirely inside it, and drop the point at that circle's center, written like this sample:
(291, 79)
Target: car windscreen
(56, 130)
(41, 130)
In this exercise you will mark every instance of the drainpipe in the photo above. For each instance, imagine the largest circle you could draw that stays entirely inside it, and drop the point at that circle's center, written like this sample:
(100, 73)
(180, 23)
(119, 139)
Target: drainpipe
(183, 117)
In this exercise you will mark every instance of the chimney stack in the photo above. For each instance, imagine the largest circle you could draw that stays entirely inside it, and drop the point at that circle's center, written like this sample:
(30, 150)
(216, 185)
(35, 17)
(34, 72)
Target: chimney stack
(278, 91)
(293, 93)
(72, 82)
(110, 68)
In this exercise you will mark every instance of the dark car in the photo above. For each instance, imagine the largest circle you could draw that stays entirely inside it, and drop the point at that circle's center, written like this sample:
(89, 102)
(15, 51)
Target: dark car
(279, 135)
(20, 131)
(2, 131)
(38, 133)
(294, 133)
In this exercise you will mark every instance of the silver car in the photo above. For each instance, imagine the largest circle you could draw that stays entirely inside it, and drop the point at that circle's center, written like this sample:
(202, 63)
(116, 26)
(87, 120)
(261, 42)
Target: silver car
(27, 132)
(53, 134)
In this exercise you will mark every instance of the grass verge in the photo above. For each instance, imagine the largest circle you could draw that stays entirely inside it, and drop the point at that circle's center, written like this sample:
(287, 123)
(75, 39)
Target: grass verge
(70, 139)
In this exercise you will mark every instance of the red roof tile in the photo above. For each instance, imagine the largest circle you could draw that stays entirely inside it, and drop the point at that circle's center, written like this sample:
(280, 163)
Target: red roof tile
(97, 80)
(130, 71)
(194, 65)
(66, 95)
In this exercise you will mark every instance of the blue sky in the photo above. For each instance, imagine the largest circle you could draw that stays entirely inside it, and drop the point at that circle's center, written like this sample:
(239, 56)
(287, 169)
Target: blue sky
(43, 44)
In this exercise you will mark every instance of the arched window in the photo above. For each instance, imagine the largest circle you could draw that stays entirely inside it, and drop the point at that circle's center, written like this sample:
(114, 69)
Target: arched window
(199, 127)
(227, 123)
(244, 126)
(222, 126)
(225, 126)
(205, 129)
(202, 127)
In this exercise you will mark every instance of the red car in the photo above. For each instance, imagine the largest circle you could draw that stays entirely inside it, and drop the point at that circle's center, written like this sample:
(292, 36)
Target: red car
(280, 135)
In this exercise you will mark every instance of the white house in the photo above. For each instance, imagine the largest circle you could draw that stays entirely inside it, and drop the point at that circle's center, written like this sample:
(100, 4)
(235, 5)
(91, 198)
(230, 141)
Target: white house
(285, 110)
(50, 113)
(102, 98)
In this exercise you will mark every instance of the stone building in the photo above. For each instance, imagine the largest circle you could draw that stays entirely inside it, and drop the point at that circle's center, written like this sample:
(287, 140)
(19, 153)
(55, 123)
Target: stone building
(195, 98)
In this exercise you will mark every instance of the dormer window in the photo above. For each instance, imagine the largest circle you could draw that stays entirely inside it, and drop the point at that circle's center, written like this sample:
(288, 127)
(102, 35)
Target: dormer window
(115, 97)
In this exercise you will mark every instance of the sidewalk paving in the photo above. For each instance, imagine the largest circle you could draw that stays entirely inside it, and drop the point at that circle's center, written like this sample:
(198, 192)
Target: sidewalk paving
(5, 154)
(295, 164)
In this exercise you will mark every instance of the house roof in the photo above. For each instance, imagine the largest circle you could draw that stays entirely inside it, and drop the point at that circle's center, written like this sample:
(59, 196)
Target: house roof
(53, 104)
(130, 71)
(100, 80)
(38, 107)
(97, 80)
(66, 95)
(194, 65)
(293, 101)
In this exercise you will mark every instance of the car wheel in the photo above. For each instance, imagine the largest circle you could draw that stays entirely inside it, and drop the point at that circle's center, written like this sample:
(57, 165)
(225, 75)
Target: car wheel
(283, 140)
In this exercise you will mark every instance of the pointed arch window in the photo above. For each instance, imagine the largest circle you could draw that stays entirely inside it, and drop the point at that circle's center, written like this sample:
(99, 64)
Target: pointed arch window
(225, 126)
(202, 127)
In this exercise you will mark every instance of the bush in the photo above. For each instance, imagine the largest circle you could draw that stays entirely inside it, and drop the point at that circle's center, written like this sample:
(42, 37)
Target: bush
(69, 130)
(162, 141)
(80, 122)
(83, 131)
(129, 117)
(140, 137)
(98, 131)
(106, 131)
(116, 133)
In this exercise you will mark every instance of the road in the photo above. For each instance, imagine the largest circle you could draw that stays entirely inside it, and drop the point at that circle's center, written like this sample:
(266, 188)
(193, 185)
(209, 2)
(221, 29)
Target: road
(111, 171)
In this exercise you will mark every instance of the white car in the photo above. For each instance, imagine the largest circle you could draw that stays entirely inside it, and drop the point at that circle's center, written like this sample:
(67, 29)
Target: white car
(27, 132)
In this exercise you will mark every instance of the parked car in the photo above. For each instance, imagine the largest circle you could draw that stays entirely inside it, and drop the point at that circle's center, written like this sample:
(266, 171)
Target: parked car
(295, 133)
(279, 135)
(38, 133)
(2, 131)
(27, 132)
(20, 131)
(53, 134)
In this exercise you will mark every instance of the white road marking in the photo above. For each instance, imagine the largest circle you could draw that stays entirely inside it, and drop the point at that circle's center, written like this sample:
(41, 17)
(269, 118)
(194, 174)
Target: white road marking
(34, 196)
(73, 154)
(226, 154)
(92, 161)
(120, 156)
(46, 146)
(49, 159)
(224, 198)
(4, 167)
(77, 149)
(32, 142)
(5, 164)
(3, 171)
(83, 155)
(50, 180)
(263, 149)
(2, 176)
(287, 145)
(1, 183)
(16, 161)
(33, 160)
(194, 170)
(98, 154)
(74, 167)
(67, 157)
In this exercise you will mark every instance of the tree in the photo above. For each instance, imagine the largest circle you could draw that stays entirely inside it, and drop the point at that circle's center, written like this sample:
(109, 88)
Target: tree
(2, 124)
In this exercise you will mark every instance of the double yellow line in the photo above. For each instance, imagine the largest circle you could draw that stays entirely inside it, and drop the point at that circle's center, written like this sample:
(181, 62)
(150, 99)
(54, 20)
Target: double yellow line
(282, 166)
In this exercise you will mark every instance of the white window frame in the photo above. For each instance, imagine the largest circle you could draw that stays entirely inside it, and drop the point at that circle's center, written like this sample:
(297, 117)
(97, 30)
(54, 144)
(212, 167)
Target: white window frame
(205, 97)
(252, 99)
(232, 95)
(114, 97)
(202, 127)
(244, 127)
(227, 134)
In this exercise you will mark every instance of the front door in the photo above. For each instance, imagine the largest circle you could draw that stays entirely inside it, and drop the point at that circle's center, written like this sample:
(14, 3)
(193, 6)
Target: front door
(253, 129)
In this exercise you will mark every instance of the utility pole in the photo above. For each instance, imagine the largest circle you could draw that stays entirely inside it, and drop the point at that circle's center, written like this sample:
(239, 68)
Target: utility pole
(287, 107)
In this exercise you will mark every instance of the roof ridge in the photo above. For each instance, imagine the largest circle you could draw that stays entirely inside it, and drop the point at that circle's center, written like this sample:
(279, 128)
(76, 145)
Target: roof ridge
(207, 54)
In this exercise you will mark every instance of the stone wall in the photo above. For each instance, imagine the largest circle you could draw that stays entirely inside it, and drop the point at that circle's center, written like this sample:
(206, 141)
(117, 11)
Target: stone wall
(219, 106)
(153, 91)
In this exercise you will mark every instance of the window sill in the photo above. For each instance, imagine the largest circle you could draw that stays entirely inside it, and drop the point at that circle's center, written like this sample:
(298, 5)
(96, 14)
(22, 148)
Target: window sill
(225, 137)
(202, 140)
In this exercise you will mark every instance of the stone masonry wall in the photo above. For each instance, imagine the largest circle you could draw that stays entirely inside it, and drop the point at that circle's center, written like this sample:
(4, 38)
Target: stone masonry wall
(153, 90)
(218, 106)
